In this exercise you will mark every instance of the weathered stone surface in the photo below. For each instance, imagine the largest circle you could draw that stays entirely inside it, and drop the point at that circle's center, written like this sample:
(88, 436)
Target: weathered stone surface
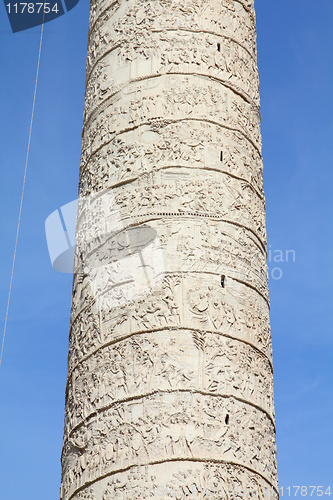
(170, 426)
(189, 144)
(192, 479)
(170, 382)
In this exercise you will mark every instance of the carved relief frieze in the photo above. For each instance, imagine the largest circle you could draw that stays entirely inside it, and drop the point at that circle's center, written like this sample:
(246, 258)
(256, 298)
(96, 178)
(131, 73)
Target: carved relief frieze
(195, 302)
(170, 382)
(180, 480)
(124, 22)
(167, 361)
(173, 52)
(171, 98)
(168, 427)
(191, 144)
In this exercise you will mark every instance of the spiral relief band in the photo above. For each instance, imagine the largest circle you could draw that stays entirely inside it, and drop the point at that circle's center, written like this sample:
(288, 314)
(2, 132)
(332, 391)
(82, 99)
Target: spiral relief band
(170, 381)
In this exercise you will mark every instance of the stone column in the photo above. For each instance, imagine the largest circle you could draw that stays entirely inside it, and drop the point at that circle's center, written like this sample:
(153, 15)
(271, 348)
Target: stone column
(170, 382)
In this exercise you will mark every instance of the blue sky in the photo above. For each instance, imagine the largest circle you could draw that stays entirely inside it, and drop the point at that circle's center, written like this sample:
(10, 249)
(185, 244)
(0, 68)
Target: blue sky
(295, 47)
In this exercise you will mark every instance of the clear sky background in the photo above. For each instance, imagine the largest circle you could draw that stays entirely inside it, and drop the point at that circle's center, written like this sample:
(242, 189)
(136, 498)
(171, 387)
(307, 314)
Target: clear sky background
(295, 46)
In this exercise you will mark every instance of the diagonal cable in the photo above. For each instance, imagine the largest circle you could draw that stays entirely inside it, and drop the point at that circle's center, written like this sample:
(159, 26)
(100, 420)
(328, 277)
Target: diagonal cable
(22, 194)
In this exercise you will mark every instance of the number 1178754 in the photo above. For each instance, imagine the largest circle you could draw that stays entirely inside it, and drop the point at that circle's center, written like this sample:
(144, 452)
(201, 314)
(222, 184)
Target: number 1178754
(304, 491)
(31, 8)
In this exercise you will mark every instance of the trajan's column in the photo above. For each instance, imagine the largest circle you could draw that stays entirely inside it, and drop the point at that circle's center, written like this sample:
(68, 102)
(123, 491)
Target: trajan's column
(170, 384)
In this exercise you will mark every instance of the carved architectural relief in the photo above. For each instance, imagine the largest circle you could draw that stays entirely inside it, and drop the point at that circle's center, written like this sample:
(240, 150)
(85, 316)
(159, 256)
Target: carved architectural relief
(116, 23)
(189, 144)
(231, 64)
(195, 480)
(208, 311)
(198, 244)
(170, 380)
(169, 426)
(217, 196)
(163, 361)
(170, 98)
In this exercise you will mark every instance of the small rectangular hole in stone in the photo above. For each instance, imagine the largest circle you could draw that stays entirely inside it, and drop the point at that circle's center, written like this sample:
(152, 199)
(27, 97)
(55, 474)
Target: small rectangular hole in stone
(219, 47)
(221, 156)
